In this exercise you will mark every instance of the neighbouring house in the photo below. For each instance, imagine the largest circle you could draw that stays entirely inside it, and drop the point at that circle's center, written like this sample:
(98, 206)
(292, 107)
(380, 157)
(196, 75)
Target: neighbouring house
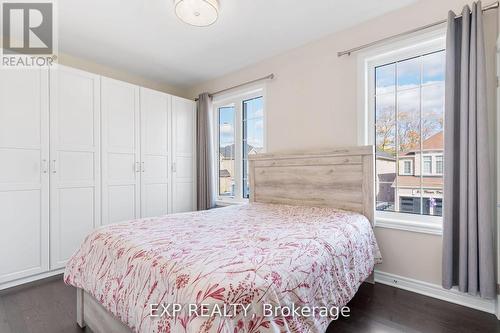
(418, 187)
(386, 174)
(226, 167)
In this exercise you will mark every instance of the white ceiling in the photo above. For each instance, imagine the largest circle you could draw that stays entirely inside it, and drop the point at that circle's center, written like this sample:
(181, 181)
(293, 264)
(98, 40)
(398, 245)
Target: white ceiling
(144, 37)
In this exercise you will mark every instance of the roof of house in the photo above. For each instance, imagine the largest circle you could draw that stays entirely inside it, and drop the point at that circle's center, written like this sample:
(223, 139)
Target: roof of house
(385, 155)
(414, 181)
(227, 152)
(224, 173)
(435, 142)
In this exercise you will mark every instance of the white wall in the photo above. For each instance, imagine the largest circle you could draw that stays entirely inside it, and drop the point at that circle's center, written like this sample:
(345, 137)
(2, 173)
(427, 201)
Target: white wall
(89, 66)
(312, 103)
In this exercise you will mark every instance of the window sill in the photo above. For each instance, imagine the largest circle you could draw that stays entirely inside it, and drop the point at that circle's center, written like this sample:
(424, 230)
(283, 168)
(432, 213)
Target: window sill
(415, 223)
(230, 202)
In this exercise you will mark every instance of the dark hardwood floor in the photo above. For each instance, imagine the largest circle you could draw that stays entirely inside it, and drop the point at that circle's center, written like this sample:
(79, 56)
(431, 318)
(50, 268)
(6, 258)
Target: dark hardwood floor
(380, 308)
(49, 306)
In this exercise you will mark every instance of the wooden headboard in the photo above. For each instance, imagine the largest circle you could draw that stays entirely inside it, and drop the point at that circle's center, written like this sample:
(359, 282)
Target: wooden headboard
(340, 178)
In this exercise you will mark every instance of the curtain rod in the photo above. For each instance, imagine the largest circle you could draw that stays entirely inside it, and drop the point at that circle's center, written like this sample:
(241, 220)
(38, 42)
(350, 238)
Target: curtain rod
(268, 77)
(364, 46)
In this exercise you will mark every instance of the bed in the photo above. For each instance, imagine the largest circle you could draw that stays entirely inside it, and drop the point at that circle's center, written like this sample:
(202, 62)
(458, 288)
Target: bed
(305, 239)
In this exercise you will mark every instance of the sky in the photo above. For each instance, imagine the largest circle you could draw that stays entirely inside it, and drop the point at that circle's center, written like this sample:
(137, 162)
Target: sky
(407, 75)
(254, 123)
(409, 72)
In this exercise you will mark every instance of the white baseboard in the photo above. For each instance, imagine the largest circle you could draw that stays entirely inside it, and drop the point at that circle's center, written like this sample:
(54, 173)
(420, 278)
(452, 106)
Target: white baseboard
(436, 291)
(498, 307)
(31, 278)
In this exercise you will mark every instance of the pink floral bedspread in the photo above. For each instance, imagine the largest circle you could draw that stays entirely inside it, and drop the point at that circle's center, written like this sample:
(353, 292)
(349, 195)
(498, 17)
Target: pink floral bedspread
(249, 254)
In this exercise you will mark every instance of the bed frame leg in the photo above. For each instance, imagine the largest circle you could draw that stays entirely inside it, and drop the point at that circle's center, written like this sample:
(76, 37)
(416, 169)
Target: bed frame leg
(79, 307)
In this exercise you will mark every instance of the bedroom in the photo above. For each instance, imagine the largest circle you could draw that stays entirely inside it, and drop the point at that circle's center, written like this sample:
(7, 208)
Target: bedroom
(158, 148)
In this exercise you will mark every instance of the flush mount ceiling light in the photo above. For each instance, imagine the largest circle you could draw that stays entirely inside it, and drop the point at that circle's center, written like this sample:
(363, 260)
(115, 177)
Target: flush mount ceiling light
(200, 13)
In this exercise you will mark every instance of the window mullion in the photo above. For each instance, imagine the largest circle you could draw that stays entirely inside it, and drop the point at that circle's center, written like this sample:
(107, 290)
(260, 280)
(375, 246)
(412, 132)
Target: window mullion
(421, 137)
(238, 160)
(396, 138)
(217, 148)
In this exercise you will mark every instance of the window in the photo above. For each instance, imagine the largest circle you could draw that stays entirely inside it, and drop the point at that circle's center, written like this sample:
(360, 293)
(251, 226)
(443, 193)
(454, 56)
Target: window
(409, 205)
(403, 116)
(409, 108)
(433, 206)
(253, 138)
(406, 167)
(226, 151)
(427, 165)
(240, 133)
(439, 164)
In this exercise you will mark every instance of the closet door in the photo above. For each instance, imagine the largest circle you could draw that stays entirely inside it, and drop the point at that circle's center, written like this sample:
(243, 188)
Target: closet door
(24, 180)
(155, 153)
(120, 151)
(183, 150)
(74, 160)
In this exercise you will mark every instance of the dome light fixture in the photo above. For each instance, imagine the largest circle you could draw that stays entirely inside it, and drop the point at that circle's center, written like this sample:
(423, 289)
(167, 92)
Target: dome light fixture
(199, 13)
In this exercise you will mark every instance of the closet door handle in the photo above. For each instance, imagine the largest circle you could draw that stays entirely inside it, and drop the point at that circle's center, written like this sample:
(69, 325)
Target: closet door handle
(174, 167)
(142, 166)
(45, 167)
(54, 166)
(137, 167)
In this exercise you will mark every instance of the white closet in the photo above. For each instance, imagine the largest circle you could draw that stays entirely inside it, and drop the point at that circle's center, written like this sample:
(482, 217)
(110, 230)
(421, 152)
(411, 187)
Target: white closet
(24, 178)
(148, 152)
(120, 151)
(183, 132)
(78, 151)
(74, 160)
(156, 180)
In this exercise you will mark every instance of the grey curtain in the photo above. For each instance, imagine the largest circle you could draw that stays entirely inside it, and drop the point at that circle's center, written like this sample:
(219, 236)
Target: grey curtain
(204, 153)
(468, 249)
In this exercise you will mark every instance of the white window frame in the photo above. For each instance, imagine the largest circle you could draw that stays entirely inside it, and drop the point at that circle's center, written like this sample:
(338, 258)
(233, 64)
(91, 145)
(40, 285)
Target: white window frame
(430, 160)
(436, 164)
(236, 99)
(404, 173)
(409, 168)
(406, 47)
